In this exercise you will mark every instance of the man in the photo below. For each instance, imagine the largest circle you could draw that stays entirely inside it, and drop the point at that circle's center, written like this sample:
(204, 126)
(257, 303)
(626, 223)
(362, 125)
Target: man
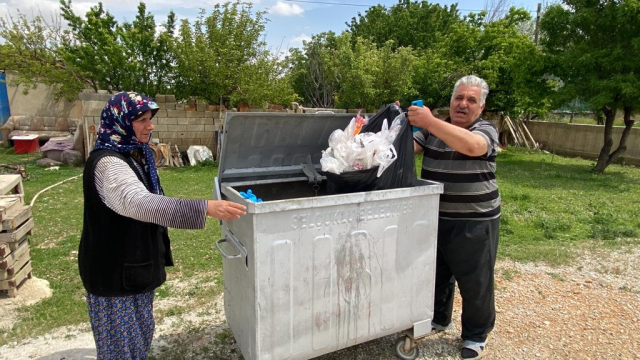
(460, 152)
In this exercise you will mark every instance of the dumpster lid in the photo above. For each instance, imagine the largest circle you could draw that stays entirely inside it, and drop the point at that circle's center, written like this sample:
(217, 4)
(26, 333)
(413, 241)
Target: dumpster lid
(261, 146)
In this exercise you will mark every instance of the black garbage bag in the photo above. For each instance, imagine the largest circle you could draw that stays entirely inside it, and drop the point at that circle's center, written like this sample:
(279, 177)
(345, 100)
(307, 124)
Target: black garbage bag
(401, 173)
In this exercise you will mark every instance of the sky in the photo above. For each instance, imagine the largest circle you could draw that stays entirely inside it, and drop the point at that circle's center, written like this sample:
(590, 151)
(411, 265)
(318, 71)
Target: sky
(290, 21)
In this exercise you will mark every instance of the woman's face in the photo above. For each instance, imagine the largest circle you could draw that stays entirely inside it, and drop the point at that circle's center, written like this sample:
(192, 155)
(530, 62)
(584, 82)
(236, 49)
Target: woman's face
(143, 126)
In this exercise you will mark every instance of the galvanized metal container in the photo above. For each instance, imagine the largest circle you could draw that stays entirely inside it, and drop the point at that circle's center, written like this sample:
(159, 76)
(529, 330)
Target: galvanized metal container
(305, 273)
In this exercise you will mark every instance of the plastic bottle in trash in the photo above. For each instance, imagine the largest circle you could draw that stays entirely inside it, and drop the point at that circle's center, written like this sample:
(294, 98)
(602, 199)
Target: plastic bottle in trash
(417, 103)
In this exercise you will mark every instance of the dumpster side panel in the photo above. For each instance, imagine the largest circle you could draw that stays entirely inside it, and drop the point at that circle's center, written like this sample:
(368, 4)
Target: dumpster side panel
(239, 287)
(331, 277)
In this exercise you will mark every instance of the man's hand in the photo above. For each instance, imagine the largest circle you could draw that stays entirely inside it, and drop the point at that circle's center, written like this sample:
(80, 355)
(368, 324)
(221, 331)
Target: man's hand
(225, 210)
(421, 117)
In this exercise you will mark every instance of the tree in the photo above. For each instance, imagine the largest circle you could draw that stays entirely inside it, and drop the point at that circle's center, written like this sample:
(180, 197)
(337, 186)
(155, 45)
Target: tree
(496, 9)
(149, 59)
(595, 46)
(356, 66)
(267, 81)
(118, 57)
(93, 47)
(508, 60)
(32, 50)
(214, 57)
(314, 72)
(394, 78)
(415, 24)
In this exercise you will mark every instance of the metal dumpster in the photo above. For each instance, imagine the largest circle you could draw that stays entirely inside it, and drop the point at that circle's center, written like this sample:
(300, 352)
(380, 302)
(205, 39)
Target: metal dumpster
(305, 273)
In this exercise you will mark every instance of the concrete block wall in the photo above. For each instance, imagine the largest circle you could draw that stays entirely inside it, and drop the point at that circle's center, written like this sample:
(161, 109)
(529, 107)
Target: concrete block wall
(582, 140)
(186, 127)
(173, 124)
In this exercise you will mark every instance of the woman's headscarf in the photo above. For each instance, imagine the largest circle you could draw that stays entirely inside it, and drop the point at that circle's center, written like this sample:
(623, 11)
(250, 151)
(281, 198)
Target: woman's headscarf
(116, 129)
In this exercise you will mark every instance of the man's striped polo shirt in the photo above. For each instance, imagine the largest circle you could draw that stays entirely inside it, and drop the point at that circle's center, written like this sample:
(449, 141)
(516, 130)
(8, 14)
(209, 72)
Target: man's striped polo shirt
(470, 188)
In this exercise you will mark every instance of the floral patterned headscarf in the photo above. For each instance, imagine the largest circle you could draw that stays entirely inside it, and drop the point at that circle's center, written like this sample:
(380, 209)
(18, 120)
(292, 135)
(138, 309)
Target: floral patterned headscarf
(116, 129)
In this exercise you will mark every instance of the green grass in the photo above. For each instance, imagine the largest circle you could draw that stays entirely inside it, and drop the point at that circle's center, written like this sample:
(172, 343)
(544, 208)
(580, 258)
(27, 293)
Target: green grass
(553, 205)
(553, 208)
(509, 274)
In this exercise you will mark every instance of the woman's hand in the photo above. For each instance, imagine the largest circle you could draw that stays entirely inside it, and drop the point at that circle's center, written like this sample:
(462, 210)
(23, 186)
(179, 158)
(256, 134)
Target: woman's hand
(225, 210)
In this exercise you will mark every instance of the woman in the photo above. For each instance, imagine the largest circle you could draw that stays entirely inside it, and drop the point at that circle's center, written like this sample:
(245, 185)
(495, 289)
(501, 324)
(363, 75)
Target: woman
(124, 246)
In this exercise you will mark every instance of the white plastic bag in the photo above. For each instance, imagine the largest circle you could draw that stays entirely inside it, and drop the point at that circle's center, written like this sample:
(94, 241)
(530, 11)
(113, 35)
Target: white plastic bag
(351, 150)
(198, 153)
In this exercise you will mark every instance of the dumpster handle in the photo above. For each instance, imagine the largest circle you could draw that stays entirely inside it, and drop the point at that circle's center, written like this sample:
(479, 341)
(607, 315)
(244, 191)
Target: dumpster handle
(241, 250)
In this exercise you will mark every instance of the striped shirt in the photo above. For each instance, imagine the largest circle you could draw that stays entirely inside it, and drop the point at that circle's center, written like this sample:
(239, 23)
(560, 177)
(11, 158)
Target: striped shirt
(121, 190)
(470, 188)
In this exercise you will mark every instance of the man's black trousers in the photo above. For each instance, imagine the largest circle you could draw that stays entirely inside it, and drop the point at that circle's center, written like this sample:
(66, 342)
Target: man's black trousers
(467, 255)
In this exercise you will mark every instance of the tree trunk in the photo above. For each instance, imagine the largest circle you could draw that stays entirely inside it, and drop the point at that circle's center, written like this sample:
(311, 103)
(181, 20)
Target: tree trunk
(622, 147)
(603, 158)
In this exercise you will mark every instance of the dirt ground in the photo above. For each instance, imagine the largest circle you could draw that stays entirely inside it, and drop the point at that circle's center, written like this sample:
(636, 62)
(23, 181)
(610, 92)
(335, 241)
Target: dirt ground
(587, 311)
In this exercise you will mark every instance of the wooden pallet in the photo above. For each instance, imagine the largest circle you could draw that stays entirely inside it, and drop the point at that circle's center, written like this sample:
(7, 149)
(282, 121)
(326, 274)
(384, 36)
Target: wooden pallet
(7, 248)
(13, 256)
(17, 234)
(11, 184)
(19, 217)
(11, 270)
(11, 286)
(10, 205)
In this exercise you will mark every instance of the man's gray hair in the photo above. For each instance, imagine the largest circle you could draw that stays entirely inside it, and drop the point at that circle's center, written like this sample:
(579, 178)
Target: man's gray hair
(472, 80)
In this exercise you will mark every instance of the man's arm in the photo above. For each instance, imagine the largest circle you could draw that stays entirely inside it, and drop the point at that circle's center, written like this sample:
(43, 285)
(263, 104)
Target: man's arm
(459, 139)
(417, 149)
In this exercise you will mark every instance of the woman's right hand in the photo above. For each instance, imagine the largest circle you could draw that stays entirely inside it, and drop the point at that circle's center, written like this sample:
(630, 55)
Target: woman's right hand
(225, 210)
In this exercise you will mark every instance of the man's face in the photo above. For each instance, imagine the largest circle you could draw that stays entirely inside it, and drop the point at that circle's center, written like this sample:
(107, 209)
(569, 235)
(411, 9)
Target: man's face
(465, 106)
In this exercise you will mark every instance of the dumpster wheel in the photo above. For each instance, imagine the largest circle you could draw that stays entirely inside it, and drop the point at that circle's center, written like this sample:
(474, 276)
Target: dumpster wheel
(406, 348)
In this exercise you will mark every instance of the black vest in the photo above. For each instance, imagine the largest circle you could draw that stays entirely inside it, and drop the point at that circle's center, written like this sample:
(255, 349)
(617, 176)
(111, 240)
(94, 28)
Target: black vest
(118, 255)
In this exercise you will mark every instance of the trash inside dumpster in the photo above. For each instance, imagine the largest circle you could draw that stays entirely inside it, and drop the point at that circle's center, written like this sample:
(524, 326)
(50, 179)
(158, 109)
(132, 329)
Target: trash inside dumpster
(306, 273)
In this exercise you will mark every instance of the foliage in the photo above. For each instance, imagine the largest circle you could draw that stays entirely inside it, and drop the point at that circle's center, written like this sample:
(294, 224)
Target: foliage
(415, 24)
(31, 49)
(118, 57)
(594, 47)
(313, 71)
(381, 63)
(509, 61)
(371, 76)
(220, 57)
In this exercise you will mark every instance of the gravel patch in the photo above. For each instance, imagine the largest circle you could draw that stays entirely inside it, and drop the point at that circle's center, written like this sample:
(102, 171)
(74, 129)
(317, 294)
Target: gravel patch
(590, 310)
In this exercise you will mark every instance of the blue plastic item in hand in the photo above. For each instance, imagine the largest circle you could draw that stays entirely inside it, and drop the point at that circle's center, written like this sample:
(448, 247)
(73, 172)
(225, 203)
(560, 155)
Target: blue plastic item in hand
(249, 195)
(418, 103)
